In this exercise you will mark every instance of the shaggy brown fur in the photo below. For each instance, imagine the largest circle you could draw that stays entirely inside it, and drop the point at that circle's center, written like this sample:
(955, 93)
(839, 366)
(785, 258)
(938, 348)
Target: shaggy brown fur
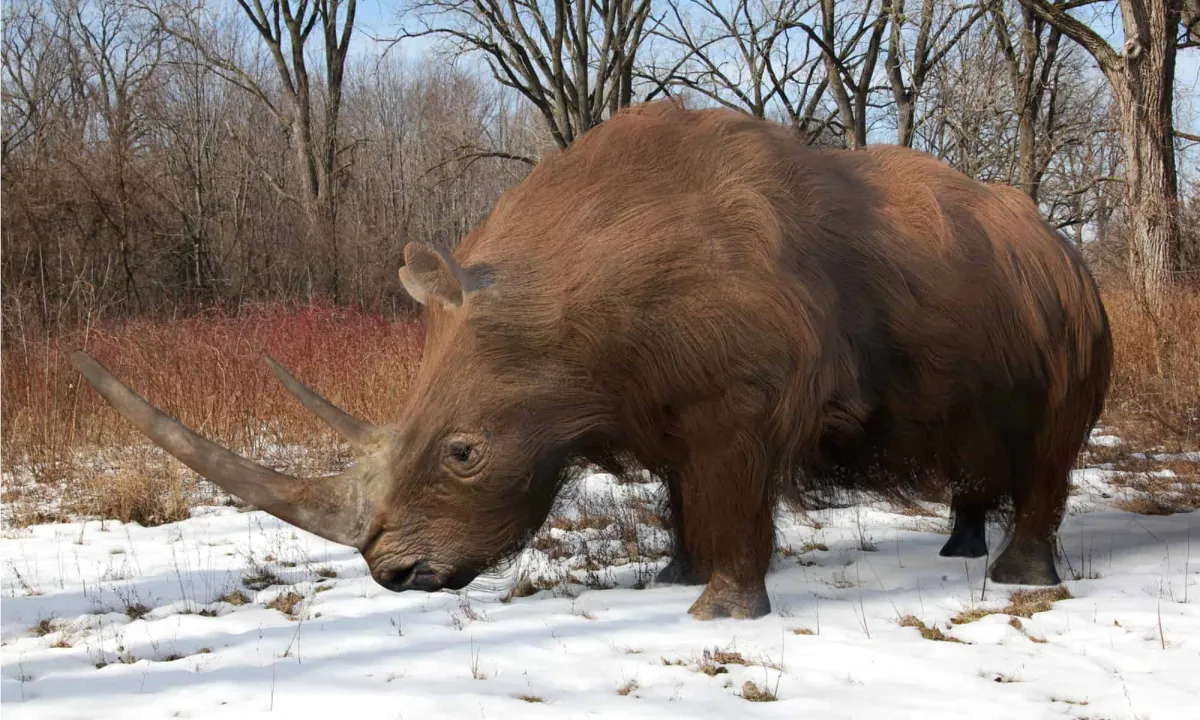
(755, 320)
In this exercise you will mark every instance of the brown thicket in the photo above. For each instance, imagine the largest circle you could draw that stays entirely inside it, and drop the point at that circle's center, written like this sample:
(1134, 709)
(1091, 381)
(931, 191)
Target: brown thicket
(137, 179)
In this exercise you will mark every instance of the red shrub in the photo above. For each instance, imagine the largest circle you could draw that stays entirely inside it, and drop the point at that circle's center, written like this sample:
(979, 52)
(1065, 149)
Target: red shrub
(207, 371)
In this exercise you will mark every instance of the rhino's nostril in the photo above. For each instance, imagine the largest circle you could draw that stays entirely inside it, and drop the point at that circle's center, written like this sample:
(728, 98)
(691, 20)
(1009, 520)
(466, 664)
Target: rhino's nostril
(396, 578)
(419, 575)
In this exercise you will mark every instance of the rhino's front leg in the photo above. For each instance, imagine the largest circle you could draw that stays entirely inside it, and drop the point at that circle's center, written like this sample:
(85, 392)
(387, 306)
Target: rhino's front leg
(729, 532)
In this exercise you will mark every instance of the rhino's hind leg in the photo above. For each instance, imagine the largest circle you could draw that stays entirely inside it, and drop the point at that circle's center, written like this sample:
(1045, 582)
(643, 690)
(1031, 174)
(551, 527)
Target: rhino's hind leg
(1039, 503)
(729, 529)
(681, 570)
(1026, 561)
(968, 538)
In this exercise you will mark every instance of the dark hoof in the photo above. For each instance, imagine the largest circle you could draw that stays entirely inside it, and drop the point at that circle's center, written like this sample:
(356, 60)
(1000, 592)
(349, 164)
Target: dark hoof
(678, 572)
(1025, 563)
(964, 546)
(731, 602)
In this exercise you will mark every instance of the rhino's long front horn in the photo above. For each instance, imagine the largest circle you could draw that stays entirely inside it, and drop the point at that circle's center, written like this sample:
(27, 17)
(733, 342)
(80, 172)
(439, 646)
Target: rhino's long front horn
(361, 435)
(331, 507)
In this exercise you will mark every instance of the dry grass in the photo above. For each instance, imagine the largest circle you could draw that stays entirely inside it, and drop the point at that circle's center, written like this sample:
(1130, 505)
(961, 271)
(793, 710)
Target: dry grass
(136, 611)
(261, 578)
(139, 494)
(1154, 399)
(236, 597)
(532, 698)
(1158, 487)
(286, 602)
(1021, 604)
(205, 370)
(928, 632)
(757, 693)
(627, 688)
(808, 547)
(1019, 626)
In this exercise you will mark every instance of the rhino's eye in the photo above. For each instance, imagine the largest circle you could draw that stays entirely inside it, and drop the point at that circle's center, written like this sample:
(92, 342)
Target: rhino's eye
(461, 452)
(462, 455)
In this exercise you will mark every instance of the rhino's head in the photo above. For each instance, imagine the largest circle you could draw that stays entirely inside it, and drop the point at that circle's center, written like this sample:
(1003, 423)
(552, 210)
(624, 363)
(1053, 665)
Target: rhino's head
(460, 481)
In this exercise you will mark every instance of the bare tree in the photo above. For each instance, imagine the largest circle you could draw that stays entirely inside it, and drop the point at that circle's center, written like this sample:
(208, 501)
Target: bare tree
(1191, 24)
(972, 110)
(849, 64)
(199, 203)
(35, 69)
(940, 26)
(1031, 60)
(115, 58)
(189, 120)
(1142, 76)
(573, 59)
(285, 27)
(748, 55)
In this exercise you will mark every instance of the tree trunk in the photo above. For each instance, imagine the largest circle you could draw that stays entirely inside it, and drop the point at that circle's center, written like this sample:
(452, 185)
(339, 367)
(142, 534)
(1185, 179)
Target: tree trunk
(1144, 92)
(1151, 193)
(1142, 77)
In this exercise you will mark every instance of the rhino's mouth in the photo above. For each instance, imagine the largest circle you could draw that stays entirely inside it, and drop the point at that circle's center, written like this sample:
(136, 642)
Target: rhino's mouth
(423, 576)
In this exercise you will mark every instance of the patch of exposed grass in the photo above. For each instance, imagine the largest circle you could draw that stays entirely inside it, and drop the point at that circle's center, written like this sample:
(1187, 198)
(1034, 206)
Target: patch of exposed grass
(1019, 626)
(44, 627)
(1159, 487)
(802, 631)
(261, 578)
(929, 633)
(627, 688)
(136, 611)
(584, 521)
(1149, 506)
(970, 616)
(710, 668)
(914, 509)
(235, 597)
(713, 661)
(531, 698)
(286, 602)
(754, 692)
(1022, 603)
(143, 492)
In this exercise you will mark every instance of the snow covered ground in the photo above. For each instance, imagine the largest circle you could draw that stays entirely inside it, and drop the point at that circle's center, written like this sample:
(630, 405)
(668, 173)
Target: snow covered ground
(104, 620)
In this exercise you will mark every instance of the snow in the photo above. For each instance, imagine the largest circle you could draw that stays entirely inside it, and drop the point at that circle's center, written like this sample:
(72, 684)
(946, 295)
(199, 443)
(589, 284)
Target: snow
(1126, 645)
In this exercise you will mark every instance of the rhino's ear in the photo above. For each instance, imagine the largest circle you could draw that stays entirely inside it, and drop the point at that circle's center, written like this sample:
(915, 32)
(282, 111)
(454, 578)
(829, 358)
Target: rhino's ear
(432, 273)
